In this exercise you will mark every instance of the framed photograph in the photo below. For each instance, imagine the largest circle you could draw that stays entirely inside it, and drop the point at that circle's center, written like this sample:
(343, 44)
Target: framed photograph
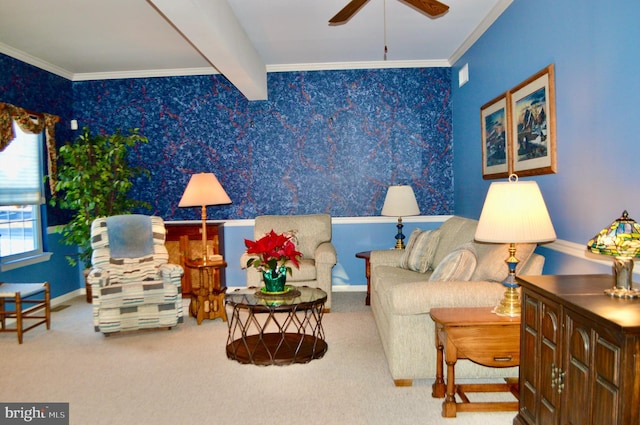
(533, 125)
(494, 124)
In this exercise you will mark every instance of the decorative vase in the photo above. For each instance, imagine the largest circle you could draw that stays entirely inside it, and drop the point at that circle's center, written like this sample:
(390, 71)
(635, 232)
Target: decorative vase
(275, 280)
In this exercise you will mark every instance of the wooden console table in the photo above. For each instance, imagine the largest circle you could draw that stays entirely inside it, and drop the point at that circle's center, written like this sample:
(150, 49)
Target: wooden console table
(479, 335)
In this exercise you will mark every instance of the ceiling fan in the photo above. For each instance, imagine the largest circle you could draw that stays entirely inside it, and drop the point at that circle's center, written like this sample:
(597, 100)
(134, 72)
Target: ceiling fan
(430, 7)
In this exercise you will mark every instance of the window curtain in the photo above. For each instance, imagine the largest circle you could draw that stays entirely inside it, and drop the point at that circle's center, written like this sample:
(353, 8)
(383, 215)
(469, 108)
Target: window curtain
(30, 122)
(21, 170)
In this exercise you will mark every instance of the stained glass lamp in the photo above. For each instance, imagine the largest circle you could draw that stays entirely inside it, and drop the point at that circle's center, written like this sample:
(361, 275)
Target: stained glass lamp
(621, 240)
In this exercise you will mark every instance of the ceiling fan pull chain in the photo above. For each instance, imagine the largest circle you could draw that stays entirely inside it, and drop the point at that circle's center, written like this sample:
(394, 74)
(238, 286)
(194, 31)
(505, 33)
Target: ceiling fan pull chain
(385, 29)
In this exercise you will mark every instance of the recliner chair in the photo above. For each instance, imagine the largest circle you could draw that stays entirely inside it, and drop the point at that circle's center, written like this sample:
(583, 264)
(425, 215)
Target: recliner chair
(313, 239)
(133, 285)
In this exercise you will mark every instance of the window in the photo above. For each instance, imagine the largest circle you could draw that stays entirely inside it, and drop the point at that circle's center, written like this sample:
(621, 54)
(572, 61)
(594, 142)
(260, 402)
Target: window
(21, 195)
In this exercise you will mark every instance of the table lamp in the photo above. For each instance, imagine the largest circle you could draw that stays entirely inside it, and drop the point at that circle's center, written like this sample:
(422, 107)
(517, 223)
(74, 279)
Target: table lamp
(204, 189)
(621, 240)
(400, 202)
(513, 212)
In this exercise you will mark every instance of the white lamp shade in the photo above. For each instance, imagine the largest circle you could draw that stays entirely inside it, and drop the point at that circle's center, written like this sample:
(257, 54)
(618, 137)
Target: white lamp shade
(204, 189)
(400, 202)
(514, 211)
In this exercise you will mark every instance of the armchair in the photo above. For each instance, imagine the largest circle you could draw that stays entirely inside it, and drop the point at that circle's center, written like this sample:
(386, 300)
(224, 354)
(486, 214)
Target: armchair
(313, 239)
(132, 284)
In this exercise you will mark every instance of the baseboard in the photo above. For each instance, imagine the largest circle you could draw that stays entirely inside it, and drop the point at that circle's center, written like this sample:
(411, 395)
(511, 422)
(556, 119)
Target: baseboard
(67, 297)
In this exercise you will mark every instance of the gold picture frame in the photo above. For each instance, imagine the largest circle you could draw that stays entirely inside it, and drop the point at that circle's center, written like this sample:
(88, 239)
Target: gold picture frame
(532, 117)
(494, 124)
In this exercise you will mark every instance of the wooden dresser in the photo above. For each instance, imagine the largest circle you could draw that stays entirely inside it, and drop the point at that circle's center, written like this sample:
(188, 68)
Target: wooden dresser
(579, 361)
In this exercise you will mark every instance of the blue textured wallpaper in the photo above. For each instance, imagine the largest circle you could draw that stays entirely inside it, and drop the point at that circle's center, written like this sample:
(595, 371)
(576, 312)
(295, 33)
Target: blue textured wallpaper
(32, 88)
(325, 141)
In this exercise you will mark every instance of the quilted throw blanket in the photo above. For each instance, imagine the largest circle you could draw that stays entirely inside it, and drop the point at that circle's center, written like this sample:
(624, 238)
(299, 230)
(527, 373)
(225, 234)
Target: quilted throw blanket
(130, 236)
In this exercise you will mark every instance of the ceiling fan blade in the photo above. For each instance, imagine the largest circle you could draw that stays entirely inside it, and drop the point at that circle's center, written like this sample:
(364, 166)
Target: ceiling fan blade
(430, 7)
(347, 12)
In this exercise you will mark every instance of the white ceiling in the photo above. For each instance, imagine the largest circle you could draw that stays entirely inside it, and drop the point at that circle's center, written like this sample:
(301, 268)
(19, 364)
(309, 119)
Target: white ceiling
(100, 39)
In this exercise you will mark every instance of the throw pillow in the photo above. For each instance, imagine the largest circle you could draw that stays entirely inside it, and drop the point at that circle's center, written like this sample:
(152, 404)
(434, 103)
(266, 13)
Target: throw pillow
(404, 260)
(419, 252)
(459, 264)
(491, 260)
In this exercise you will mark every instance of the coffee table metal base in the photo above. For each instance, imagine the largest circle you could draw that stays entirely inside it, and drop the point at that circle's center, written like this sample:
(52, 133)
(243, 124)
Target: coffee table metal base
(276, 331)
(276, 349)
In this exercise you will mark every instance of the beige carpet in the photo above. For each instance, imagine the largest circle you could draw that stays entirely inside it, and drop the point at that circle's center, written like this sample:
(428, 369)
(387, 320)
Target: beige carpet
(182, 376)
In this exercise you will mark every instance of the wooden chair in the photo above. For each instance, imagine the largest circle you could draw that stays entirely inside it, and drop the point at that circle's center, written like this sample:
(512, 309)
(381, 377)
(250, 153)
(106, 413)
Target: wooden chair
(25, 306)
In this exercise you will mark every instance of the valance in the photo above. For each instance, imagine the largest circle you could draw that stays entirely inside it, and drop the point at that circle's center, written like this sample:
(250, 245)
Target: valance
(31, 123)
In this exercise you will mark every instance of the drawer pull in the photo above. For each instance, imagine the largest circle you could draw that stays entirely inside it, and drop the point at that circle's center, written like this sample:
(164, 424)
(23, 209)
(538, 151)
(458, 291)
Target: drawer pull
(557, 378)
(503, 359)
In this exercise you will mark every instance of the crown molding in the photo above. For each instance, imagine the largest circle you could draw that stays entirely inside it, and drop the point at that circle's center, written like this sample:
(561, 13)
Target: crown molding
(491, 17)
(184, 72)
(32, 60)
(146, 73)
(334, 66)
(327, 66)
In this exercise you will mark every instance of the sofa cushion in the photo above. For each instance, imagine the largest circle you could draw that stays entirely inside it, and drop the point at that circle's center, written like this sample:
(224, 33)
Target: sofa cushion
(459, 264)
(418, 255)
(453, 233)
(491, 260)
(412, 298)
(387, 277)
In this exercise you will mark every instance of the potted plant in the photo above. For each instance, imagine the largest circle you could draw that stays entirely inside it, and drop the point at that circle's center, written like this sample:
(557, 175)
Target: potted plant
(93, 180)
(272, 251)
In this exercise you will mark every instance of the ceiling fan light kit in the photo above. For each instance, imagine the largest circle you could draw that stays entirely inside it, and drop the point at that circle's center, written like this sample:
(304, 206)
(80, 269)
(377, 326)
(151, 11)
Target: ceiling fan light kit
(432, 8)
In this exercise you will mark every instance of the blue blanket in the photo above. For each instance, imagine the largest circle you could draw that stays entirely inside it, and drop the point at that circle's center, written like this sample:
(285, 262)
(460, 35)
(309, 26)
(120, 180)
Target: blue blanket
(130, 236)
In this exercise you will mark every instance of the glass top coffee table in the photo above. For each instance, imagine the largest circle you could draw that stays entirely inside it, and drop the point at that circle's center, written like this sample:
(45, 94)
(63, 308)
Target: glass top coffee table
(278, 329)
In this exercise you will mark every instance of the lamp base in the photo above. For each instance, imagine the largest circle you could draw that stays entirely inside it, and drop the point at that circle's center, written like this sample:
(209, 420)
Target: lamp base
(622, 292)
(510, 304)
(623, 273)
(399, 235)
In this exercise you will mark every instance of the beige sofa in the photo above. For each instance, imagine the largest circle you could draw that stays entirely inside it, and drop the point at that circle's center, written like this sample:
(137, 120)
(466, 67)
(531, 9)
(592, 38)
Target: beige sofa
(313, 239)
(401, 298)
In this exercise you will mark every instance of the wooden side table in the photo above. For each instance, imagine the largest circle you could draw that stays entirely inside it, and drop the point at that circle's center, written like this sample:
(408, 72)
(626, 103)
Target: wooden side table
(367, 271)
(474, 333)
(207, 300)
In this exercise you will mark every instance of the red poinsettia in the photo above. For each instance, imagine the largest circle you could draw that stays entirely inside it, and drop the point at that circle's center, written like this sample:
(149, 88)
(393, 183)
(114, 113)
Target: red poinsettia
(273, 250)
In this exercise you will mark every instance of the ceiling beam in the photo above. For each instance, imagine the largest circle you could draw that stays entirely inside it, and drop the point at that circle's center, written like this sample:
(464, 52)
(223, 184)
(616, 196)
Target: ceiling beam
(212, 28)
